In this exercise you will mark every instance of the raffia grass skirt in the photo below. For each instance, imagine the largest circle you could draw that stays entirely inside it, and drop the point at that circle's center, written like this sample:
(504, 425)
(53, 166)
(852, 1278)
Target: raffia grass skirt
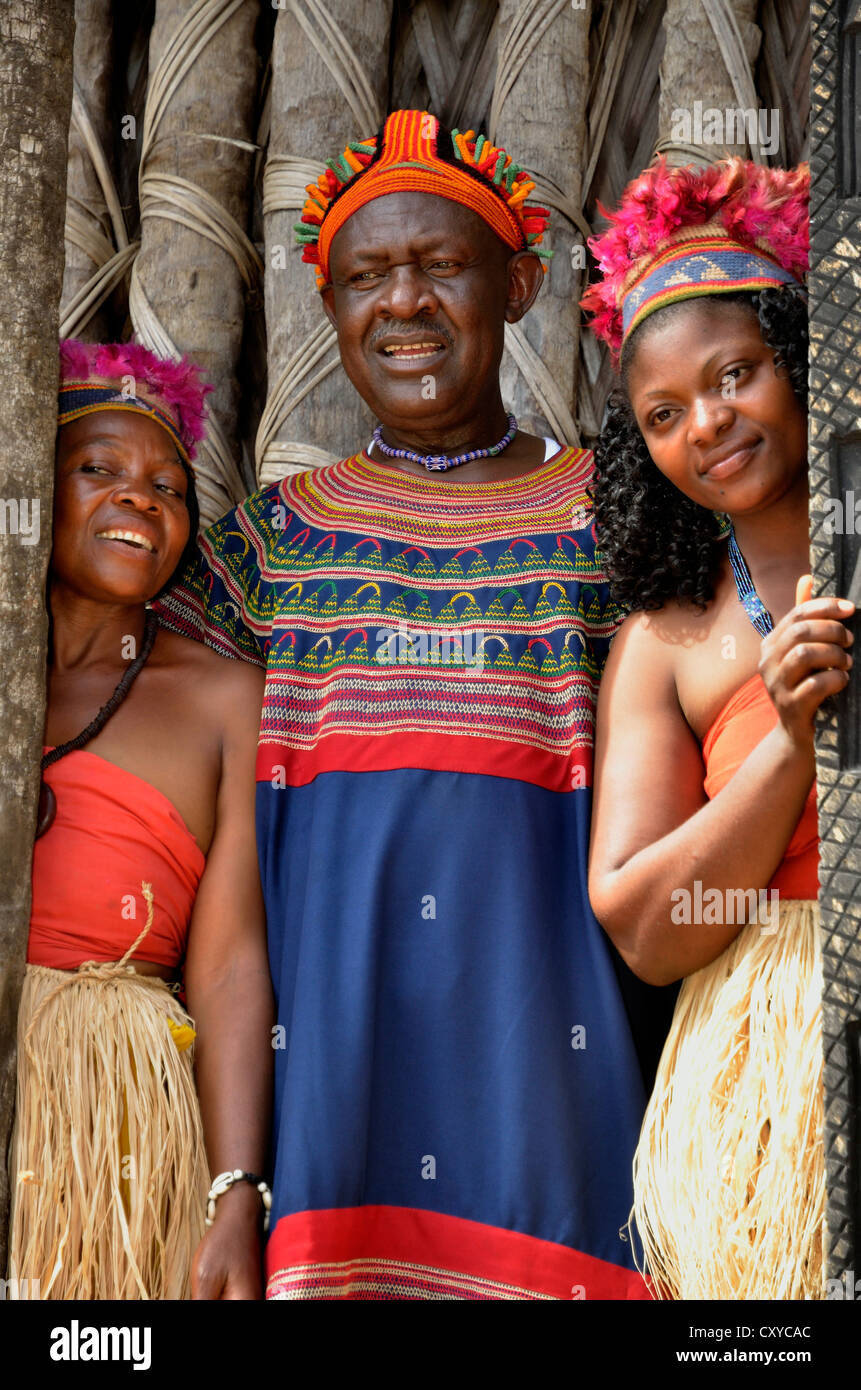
(109, 1175)
(729, 1172)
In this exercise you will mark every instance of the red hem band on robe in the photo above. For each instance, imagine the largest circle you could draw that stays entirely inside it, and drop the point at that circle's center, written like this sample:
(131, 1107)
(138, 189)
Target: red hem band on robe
(312, 1255)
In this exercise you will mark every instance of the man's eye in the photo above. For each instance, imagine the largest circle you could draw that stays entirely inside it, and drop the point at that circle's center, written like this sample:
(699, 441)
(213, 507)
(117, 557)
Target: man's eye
(94, 468)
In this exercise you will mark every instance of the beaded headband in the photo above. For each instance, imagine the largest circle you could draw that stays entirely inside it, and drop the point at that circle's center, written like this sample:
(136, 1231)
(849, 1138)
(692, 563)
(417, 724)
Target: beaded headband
(679, 233)
(127, 376)
(414, 153)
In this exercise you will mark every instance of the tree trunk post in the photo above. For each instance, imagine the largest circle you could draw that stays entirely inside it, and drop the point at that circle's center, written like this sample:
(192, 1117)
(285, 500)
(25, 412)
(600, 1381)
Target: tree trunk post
(539, 374)
(323, 96)
(701, 43)
(89, 240)
(35, 104)
(196, 263)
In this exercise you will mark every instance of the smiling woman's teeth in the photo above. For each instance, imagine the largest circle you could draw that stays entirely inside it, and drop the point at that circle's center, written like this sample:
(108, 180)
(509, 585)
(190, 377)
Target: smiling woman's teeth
(132, 537)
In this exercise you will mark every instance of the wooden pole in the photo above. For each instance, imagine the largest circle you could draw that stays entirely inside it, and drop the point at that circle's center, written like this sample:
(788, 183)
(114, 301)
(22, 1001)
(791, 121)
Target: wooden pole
(314, 114)
(89, 239)
(200, 135)
(35, 104)
(541, 120)
(696, 77)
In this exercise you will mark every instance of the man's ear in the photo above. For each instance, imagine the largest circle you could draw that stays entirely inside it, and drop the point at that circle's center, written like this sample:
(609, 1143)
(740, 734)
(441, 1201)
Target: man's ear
(525, 277)
(328, 298)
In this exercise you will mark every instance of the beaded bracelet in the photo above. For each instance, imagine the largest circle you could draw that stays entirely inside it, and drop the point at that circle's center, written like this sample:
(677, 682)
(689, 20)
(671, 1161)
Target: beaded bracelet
(225, 1181)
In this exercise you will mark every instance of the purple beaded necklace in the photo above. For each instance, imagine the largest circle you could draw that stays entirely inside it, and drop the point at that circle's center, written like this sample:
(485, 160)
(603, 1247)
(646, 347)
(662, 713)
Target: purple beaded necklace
(440, 463)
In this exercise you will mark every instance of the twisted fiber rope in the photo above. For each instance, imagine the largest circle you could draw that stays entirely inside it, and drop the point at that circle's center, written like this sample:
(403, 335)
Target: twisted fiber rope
(112, 259)
(691, 154)
(89, 298)
(179, 200)
(549, 193)
(553, 405)
(277, 458)
(83, 229)
(81, 119)
(284, 180)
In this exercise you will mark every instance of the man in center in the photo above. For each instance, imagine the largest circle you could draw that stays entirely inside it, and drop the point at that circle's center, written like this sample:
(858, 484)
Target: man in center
(458, 1094)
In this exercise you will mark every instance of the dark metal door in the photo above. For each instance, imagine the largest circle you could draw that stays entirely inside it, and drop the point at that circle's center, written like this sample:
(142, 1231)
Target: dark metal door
(835, 517)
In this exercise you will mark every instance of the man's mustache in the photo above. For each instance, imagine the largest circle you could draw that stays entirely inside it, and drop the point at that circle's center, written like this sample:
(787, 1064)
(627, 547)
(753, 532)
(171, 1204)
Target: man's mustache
(416, 326)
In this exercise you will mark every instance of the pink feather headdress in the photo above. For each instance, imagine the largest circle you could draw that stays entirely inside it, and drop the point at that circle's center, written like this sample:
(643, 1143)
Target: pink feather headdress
(104, 376)
(667, 215)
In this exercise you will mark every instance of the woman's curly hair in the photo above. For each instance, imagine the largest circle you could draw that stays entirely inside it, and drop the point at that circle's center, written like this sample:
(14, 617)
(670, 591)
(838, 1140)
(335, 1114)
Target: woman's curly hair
(655, 543)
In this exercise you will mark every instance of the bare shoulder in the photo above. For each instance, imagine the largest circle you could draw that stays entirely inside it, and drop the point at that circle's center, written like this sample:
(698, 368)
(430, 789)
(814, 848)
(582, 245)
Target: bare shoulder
(643, 636)
(185, 651)
(645, 655)
(224, 685)
(657, 636)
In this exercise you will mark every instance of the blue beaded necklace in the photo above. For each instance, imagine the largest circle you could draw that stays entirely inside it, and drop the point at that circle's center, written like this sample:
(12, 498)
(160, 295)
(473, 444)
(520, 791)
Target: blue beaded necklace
(748, 597)
(440, 463)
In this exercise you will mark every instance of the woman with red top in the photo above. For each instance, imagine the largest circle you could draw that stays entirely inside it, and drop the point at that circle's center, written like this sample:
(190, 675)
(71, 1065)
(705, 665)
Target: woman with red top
(144, 875)
(703, 859)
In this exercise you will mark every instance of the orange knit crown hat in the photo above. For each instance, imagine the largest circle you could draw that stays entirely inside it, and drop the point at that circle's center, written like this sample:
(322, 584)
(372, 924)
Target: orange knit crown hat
(414, 153)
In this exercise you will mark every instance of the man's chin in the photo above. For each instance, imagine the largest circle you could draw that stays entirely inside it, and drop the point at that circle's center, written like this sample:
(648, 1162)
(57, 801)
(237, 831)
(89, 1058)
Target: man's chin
(415, 397)
(388, 371)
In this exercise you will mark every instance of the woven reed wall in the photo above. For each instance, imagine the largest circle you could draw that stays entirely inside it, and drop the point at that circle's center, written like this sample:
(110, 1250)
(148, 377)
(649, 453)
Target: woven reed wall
(196, 121)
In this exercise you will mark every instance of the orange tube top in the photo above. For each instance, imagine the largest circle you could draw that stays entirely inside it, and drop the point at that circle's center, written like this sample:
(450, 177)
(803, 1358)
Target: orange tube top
(111, 831)
(743, 722)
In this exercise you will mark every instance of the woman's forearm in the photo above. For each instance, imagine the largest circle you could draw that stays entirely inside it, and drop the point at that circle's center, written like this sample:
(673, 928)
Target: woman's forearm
(733, 845)
(233, 1015)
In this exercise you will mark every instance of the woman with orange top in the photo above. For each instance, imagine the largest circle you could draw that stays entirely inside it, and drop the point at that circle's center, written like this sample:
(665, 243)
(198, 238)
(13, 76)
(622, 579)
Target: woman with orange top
(704, 851)
(144, 874)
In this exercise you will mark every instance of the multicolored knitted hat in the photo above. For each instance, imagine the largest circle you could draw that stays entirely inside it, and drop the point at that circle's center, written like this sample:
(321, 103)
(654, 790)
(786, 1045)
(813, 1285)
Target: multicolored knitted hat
(414, 153)
(127, 376)
(683, 232)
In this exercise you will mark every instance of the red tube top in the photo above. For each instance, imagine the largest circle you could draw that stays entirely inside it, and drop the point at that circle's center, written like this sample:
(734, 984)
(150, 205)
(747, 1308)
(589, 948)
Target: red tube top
(112, 830)
(743, 722)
